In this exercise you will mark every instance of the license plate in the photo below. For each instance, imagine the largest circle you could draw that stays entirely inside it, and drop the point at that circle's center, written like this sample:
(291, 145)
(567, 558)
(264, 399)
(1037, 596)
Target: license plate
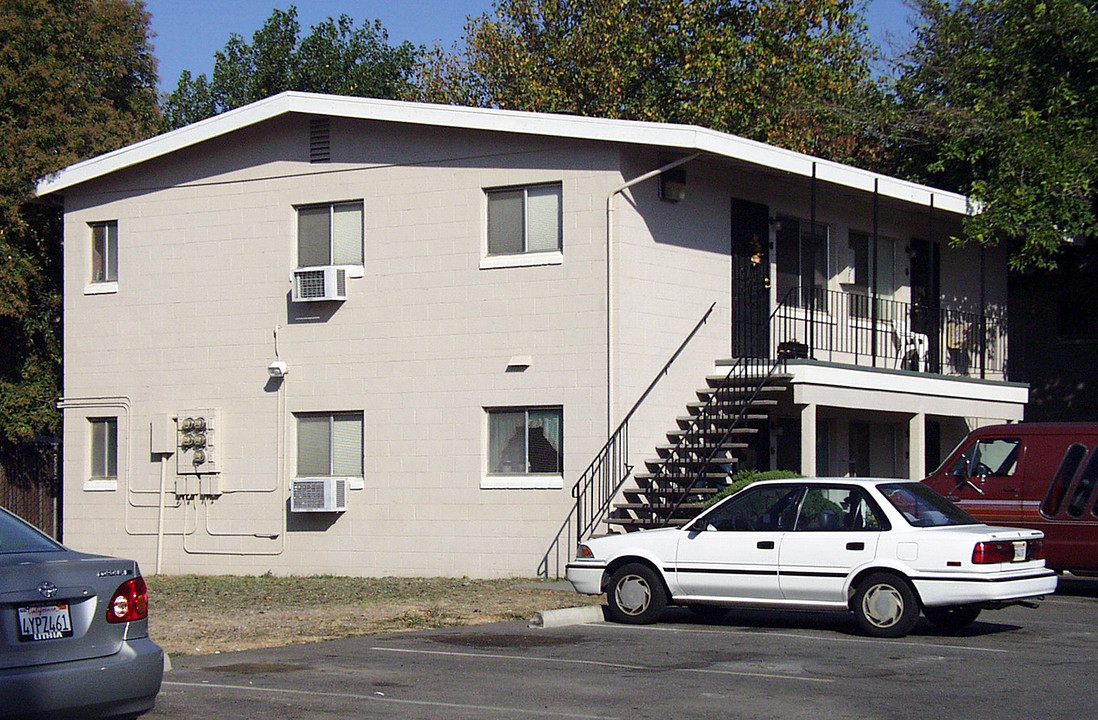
(44, 622)
(1019, 551)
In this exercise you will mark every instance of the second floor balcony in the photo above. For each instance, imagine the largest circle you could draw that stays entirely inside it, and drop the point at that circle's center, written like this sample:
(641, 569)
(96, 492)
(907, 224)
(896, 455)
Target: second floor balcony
(852, 329)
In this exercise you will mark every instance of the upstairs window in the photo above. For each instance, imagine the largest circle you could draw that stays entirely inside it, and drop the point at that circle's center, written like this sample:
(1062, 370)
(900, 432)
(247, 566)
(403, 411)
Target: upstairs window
(524, 220)
(802, 259)
(104, 252)
(329, 445)
(330, 234)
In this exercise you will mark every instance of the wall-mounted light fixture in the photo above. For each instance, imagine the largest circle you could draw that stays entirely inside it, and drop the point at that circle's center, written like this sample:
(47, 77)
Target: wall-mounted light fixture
(673, 184)
(277, 369)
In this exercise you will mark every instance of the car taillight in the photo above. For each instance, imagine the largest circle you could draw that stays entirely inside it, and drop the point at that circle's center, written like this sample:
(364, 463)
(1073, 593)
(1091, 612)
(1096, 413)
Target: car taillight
(130, 602)
(989, 553)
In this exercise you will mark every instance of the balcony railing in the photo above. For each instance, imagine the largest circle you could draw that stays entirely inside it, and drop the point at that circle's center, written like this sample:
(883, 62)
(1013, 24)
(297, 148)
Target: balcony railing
(853, 329)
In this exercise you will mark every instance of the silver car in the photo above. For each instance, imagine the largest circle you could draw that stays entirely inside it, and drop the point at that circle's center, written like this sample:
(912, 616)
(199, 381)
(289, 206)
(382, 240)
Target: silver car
(74, 636)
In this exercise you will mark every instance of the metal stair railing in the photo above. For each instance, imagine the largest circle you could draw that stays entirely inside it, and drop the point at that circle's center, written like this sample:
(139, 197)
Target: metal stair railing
(604, 477)
(757, 370)
(747, 372)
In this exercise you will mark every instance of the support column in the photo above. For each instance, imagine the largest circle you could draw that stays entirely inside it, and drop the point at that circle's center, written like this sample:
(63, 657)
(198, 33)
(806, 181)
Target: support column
(808, 440)
(916, 446)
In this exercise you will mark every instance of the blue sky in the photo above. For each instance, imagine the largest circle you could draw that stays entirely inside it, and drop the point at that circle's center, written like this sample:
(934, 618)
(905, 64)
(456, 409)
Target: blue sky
(189, 32)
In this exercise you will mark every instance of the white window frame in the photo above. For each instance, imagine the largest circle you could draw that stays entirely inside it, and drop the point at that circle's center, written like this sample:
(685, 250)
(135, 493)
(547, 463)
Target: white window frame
(521, 480)
(355, 477)
(357, 264)
(102, 431)
(103, 280)
(524, 257)
(823, 232)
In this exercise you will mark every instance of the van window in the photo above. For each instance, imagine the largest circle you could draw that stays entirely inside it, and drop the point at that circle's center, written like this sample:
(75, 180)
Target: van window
(988, 458)
(1084, 489)
(1057, 491)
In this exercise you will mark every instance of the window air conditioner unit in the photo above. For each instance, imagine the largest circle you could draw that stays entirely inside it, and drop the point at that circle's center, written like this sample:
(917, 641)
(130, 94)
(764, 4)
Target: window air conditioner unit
(318, 495)
(313, 284)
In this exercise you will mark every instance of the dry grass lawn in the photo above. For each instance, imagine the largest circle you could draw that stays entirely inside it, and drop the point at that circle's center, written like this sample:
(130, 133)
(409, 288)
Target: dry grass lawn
(192, 615)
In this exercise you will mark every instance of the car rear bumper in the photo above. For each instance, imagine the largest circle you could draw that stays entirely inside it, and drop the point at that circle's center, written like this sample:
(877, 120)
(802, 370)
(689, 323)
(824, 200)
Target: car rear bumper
(121, 684)
(993, 590)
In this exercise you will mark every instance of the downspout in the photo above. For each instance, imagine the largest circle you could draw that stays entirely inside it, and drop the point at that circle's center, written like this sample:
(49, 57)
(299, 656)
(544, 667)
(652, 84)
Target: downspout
(610, 278)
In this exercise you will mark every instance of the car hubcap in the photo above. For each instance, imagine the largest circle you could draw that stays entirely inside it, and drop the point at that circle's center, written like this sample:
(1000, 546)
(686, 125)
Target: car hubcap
(633, 594)
(883, 605)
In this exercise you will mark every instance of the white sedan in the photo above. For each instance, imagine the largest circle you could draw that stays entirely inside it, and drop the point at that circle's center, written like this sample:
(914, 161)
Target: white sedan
(882, 549)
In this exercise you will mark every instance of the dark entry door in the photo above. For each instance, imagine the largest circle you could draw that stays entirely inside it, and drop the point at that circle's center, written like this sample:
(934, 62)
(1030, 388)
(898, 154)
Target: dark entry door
(750, 279)
(926, 297)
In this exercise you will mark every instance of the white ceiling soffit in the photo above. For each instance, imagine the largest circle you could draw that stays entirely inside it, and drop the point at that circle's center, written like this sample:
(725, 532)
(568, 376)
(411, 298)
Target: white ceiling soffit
(683, 137)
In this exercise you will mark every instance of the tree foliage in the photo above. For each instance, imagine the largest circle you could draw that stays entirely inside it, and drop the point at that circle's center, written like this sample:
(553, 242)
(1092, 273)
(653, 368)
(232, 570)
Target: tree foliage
(77, 79)
(999, 100)
(794, 73)
(336, 58)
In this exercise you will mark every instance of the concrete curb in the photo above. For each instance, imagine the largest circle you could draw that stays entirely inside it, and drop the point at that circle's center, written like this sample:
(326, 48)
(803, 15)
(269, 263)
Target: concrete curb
(567, 616)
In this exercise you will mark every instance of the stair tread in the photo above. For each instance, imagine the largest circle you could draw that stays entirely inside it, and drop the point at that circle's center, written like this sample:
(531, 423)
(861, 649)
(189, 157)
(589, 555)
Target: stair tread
(705, 490)
(696, 505)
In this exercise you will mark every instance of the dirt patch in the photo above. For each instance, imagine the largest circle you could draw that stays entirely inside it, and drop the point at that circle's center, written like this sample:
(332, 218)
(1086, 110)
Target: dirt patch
(192, 615)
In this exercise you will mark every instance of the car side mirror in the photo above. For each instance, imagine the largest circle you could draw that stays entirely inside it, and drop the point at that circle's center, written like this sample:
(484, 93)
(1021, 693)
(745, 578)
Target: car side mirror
(697, 525)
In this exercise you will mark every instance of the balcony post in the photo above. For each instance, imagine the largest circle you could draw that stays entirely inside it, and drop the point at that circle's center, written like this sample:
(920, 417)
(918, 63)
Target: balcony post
(808, 440)
(916, 446)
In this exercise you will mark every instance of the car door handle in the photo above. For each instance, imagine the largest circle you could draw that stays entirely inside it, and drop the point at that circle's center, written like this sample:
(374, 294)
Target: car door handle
(855, 546)
(765, 545)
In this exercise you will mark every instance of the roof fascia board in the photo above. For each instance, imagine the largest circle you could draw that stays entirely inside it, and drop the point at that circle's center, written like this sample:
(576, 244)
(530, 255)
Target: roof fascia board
(664, 135)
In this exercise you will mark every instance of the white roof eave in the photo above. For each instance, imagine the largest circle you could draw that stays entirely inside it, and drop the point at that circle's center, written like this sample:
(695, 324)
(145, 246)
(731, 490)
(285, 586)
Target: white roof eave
(683, 137)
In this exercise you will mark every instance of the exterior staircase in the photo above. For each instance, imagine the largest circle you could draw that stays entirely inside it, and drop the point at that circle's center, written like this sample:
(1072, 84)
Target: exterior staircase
(693, 465)
(703, 450)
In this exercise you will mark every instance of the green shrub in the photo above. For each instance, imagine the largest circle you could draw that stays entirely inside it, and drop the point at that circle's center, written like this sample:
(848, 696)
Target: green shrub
(743, 478)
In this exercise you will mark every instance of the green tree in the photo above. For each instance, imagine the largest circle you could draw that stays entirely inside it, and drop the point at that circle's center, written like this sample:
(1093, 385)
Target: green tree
(795, 73)
(999, 100)
(336, 58)
(77, 79)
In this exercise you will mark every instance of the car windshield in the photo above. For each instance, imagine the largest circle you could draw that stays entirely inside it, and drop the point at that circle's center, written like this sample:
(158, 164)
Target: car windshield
(922, 507)
(17, 536)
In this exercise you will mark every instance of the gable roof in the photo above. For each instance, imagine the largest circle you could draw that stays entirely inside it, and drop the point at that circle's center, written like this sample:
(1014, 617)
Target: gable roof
(688, 138)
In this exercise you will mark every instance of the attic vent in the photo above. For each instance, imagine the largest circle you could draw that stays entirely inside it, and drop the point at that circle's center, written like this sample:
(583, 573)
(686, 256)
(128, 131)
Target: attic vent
(320, 140)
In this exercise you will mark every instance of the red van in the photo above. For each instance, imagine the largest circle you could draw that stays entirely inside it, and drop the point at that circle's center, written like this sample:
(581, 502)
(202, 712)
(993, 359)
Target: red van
(1035, 475)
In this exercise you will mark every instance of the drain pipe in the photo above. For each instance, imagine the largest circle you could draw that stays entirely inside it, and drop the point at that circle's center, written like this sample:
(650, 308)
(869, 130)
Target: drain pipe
(610, 278)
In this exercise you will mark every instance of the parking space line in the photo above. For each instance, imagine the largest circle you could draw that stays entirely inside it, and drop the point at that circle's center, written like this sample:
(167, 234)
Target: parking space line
(797, 636)
(599, 663)
(394, 701)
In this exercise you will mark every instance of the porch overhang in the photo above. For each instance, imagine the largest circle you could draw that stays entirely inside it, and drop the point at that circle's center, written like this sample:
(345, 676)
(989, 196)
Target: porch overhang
(901, 391)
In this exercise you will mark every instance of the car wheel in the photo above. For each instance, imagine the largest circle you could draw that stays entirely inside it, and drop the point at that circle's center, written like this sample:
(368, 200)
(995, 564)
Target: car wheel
(636, 595)
(885, 606)
(953, 617)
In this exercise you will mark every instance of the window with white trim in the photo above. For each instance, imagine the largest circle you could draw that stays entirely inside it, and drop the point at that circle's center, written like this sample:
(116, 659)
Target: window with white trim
(330, 234)
(869, 263)
(104, 267)
(329, 444)
(104, 448)
(802, 260)
(524, 220)
(525, 441)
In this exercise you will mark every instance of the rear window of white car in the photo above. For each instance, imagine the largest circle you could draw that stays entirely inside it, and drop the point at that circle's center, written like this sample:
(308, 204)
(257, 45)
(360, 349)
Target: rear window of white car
(922, 507)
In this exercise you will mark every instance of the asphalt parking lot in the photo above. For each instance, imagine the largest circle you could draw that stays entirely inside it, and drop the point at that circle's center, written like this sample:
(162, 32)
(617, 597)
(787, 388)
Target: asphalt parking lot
(1011, 663)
